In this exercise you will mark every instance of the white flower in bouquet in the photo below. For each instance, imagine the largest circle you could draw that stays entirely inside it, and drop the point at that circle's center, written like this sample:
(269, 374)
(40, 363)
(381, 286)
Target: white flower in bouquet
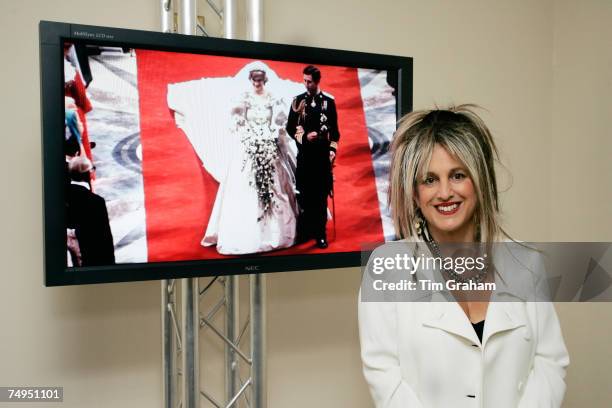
(263, 152)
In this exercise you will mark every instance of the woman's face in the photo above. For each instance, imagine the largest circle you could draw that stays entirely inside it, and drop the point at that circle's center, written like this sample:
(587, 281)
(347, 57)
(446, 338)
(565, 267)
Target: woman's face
(447, 198)
(258, 81)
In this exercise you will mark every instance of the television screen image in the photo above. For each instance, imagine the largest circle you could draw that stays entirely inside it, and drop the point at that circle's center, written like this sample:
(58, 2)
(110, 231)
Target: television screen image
(198, 156)
(173, 156)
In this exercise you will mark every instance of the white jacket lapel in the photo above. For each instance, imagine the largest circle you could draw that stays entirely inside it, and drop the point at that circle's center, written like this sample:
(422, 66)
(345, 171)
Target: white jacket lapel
(449, 316)
(500, 317)
(503, 316)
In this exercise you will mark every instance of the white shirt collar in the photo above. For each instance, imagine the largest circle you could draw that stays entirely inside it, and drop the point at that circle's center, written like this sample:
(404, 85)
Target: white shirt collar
(80, 183)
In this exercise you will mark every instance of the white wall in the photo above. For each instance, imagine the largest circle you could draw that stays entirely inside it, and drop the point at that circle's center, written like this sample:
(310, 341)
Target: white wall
(580, 187)
(542, 69)
(100, 342)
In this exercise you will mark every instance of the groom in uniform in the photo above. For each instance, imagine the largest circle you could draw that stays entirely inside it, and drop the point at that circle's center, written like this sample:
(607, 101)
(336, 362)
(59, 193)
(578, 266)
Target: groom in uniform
(313, 124)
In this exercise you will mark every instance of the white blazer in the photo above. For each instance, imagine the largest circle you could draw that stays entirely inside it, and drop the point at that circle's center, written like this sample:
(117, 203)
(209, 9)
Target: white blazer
(427, 354)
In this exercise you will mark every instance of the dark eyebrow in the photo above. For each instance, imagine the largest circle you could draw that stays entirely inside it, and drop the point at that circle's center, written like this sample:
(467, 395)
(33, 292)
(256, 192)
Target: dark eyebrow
(453, 170)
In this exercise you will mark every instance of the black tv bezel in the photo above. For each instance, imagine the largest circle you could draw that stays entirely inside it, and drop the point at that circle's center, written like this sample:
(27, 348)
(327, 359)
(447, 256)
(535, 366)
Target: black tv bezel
(52, 36)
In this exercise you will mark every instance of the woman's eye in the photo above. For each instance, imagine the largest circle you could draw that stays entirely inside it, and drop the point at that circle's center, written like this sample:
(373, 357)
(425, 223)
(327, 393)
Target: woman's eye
(429, 180)
(458, 176)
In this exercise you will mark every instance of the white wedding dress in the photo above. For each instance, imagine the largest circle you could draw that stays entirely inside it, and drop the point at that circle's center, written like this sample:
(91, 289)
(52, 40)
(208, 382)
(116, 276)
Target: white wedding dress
(242, 142)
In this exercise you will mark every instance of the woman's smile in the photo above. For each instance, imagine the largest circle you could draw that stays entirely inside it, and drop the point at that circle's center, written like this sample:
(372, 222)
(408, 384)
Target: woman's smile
(448, 208)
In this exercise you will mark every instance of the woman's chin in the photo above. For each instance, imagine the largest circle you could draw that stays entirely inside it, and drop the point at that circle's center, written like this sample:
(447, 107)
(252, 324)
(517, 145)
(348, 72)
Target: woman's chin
(447, 227)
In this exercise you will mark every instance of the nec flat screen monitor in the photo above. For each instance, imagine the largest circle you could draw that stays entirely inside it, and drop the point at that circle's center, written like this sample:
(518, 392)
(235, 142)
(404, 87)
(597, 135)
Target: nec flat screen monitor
(170, 156)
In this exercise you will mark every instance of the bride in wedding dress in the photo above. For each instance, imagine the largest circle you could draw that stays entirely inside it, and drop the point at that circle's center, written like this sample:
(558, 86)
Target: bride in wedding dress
(241, 140)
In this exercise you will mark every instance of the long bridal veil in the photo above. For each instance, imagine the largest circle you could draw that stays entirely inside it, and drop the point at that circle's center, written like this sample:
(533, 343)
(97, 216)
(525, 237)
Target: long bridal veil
(202, 109)
(215, 115)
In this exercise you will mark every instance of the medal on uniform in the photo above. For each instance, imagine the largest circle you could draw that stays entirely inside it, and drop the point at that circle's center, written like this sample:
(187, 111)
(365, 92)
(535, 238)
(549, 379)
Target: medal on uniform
(313, 104)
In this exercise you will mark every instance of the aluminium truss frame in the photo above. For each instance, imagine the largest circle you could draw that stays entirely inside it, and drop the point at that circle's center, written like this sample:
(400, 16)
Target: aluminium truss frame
(181, 382)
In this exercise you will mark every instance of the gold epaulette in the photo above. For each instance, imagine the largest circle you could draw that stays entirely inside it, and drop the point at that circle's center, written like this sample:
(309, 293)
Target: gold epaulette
(299, 107)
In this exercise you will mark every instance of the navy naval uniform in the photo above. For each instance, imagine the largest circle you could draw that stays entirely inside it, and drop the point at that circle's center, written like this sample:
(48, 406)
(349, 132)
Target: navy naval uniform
(314, 171)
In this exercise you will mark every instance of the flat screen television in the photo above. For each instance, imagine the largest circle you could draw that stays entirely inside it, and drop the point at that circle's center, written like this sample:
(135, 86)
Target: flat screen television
(173, 156)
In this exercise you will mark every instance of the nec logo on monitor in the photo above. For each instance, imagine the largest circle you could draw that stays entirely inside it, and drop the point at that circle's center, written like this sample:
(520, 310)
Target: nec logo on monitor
(251, 268)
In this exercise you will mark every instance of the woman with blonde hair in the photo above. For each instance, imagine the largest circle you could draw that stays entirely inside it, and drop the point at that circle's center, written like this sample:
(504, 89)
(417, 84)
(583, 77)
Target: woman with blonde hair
(457, 350)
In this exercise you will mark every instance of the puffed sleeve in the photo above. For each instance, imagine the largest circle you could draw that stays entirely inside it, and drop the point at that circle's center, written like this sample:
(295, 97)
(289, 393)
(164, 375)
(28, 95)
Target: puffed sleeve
(279, 116)
(238, 113)
(545, 385)
(378, 335)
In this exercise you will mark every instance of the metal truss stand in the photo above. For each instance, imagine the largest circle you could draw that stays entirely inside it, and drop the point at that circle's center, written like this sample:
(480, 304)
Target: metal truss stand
(181, 382)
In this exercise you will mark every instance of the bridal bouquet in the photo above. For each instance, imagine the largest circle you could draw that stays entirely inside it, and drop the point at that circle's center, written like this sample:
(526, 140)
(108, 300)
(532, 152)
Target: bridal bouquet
(262, 149)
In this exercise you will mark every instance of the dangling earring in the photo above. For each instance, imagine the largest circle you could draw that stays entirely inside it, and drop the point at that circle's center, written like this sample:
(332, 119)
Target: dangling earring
(477, 228)
(419, 223)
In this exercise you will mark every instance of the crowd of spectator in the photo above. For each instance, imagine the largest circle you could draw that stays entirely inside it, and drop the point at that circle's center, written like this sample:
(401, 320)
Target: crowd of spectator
(88, 234)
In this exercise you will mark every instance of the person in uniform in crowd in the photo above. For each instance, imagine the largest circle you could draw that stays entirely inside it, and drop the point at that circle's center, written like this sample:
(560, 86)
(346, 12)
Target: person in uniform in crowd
(87, 215)
(313, 123)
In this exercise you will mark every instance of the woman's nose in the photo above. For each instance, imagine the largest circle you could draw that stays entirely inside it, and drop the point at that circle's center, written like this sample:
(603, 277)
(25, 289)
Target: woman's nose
(445, 191)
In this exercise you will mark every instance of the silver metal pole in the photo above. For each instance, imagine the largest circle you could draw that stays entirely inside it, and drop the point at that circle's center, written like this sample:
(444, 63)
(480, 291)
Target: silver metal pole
(167, 16)
(188, 19)
(190, 324)
(168, 295)
(229, 18)
(232, 294)
(190, 292)
(232, 328)
(254, 20)
(214, 8)
(168, 363)
(257, 282)
(231, 403)
(258, 340)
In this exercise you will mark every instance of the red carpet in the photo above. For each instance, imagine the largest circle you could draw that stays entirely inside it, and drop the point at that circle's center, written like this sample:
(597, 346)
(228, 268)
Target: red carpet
(179, 193)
